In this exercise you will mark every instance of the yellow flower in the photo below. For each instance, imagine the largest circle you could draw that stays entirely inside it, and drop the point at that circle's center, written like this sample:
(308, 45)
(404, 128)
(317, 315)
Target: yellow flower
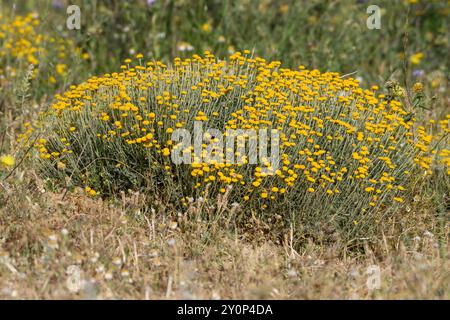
(256, 183)
(398, 199)
(418, 87)
(166, 152)
(91, 191)
(61, 68)
(416, 58)
(7, 160)
(206, 27)
(61, 166)
(284, 8)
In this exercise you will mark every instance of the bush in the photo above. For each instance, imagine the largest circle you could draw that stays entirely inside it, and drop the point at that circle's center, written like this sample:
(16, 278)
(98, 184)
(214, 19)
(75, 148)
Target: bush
(348, 155)
(29, 57)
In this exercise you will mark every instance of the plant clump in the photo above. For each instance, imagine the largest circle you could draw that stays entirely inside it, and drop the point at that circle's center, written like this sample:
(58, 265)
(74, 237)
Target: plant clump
(348, 155)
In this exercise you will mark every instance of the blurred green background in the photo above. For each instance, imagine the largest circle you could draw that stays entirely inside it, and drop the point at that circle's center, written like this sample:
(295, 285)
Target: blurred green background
(328, 35)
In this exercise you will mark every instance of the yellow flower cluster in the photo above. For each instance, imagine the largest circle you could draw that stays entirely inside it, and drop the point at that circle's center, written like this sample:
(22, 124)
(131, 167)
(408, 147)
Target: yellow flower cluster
(342, 147)
(7, 161)
(22, 44)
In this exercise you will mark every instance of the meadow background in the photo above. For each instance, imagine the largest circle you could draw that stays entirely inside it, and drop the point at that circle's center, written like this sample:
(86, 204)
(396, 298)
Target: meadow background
(131, 247)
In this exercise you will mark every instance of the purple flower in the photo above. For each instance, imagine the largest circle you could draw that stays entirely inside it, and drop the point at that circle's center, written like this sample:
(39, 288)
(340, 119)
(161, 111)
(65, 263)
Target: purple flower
(150, 2)
(57, 5)
(418, 73)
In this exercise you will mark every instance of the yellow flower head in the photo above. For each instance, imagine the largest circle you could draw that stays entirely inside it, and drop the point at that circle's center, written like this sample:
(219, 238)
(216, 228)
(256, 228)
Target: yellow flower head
(206, 27)
(7, 161)
(416, 58)
(418, 87)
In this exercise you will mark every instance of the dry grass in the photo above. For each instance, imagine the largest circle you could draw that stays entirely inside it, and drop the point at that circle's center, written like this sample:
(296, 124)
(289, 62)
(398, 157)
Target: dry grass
(127, 250)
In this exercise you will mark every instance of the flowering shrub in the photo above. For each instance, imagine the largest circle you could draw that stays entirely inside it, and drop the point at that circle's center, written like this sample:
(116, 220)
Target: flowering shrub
(22, 44)
(345, 152)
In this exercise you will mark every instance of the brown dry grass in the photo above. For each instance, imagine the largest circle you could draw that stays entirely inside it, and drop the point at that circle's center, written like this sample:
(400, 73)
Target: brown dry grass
(127, 250)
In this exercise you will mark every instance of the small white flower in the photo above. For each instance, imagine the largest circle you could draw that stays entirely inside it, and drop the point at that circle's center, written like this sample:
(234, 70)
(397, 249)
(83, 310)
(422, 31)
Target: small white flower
(53, 237)
(95, 257)
(215, 295)
(184, 46)
(161, 35)
(117, 261)
(173, 225)
(100, 269)
(108, 276)
(292, 273)
(428, 234)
